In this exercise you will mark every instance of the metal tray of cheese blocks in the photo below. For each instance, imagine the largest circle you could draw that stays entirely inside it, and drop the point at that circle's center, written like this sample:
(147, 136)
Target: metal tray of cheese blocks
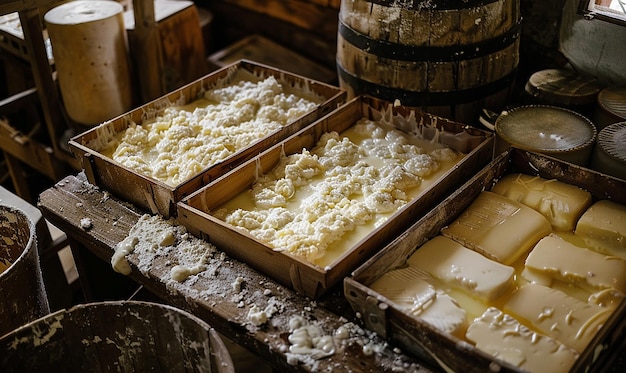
(156, 196)
(195, 210)
(442, 350)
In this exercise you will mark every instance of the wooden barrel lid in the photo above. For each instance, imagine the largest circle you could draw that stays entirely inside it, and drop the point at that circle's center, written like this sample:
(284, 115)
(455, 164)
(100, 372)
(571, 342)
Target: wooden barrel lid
(551, 130)
(610, 152)
(562, 87)
(613, 101)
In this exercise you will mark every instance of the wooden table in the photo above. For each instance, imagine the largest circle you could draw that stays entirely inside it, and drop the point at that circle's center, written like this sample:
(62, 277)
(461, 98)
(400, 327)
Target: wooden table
(74, 199)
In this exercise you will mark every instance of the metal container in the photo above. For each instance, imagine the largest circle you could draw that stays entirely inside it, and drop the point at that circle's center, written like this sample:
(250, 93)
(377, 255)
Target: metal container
(550, 130)
(120, 336)
(23, 296)
(611, 106)
(565, 88)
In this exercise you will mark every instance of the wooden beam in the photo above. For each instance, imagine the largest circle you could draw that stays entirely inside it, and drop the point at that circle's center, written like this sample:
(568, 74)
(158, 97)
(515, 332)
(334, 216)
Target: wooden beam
(146, 51)
(49, 95)
(38, 156)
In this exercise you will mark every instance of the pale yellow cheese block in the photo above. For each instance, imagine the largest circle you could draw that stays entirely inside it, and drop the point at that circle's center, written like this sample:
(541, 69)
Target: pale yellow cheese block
(413, 291)
(556, 314)
(561, 203)
(462, 268)
(556, 259)
(603, 228)
(503, 337)
(498, 227)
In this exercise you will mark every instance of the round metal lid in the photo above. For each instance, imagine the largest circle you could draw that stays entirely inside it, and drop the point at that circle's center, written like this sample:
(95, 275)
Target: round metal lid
(612, 139)
(544, 128)
(613, 100)
(563, 87)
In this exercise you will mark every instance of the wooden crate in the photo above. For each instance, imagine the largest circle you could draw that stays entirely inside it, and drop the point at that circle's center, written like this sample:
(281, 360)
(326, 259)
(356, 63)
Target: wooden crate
(298, 274)
(158, 197)
(379, 314)
(178, 53)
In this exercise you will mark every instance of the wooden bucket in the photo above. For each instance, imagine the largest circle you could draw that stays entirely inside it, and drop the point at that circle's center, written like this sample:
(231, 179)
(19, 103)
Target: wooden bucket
(450, 58)
(22, 293)
(117, 336)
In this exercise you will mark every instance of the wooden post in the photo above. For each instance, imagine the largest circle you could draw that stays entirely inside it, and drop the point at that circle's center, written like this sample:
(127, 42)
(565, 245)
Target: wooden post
(42, 73)
(146, 51)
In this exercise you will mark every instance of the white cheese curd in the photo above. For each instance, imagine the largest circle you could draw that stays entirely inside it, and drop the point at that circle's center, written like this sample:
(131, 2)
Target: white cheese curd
(123, 248)
(153, 237)
(259, 316)
(184, 140)
(312, 200)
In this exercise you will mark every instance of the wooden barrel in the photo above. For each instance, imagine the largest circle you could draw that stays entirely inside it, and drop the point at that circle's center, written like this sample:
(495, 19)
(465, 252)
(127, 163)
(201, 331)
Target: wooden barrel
(450, 57)
(22, 293)
(116, 336)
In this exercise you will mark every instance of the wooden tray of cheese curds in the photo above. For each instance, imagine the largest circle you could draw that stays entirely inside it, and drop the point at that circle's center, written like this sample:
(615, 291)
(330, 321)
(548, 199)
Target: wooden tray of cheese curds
(309, 210)
(155, 154)
(521, 269)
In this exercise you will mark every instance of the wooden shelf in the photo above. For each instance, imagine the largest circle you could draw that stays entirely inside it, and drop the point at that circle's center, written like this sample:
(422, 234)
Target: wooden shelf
(50, 160)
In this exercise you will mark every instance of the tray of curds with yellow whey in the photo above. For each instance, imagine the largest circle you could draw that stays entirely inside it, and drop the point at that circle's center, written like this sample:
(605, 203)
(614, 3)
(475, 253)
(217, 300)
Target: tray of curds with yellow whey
(309, 210)
(523, 268)
(155, 154)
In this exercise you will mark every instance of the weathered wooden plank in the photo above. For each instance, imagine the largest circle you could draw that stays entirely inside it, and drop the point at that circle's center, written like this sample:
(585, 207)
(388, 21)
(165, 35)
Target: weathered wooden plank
(74, 199)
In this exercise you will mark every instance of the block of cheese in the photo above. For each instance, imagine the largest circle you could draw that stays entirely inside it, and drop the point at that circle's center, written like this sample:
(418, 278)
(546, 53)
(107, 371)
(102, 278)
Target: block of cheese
(556, 314)
(506, 339)
(462, 268)
(561, 203)
(603, 228)
(498, 227)
(555, 258)
(410, 288)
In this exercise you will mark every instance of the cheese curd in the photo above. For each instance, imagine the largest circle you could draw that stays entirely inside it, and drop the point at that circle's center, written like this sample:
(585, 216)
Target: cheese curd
(184, 140)
(313, 199)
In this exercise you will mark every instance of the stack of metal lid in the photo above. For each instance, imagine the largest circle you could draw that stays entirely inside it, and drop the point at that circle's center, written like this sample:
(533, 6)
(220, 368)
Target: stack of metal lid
(565, 88)
(611, 106)
(609, 155)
